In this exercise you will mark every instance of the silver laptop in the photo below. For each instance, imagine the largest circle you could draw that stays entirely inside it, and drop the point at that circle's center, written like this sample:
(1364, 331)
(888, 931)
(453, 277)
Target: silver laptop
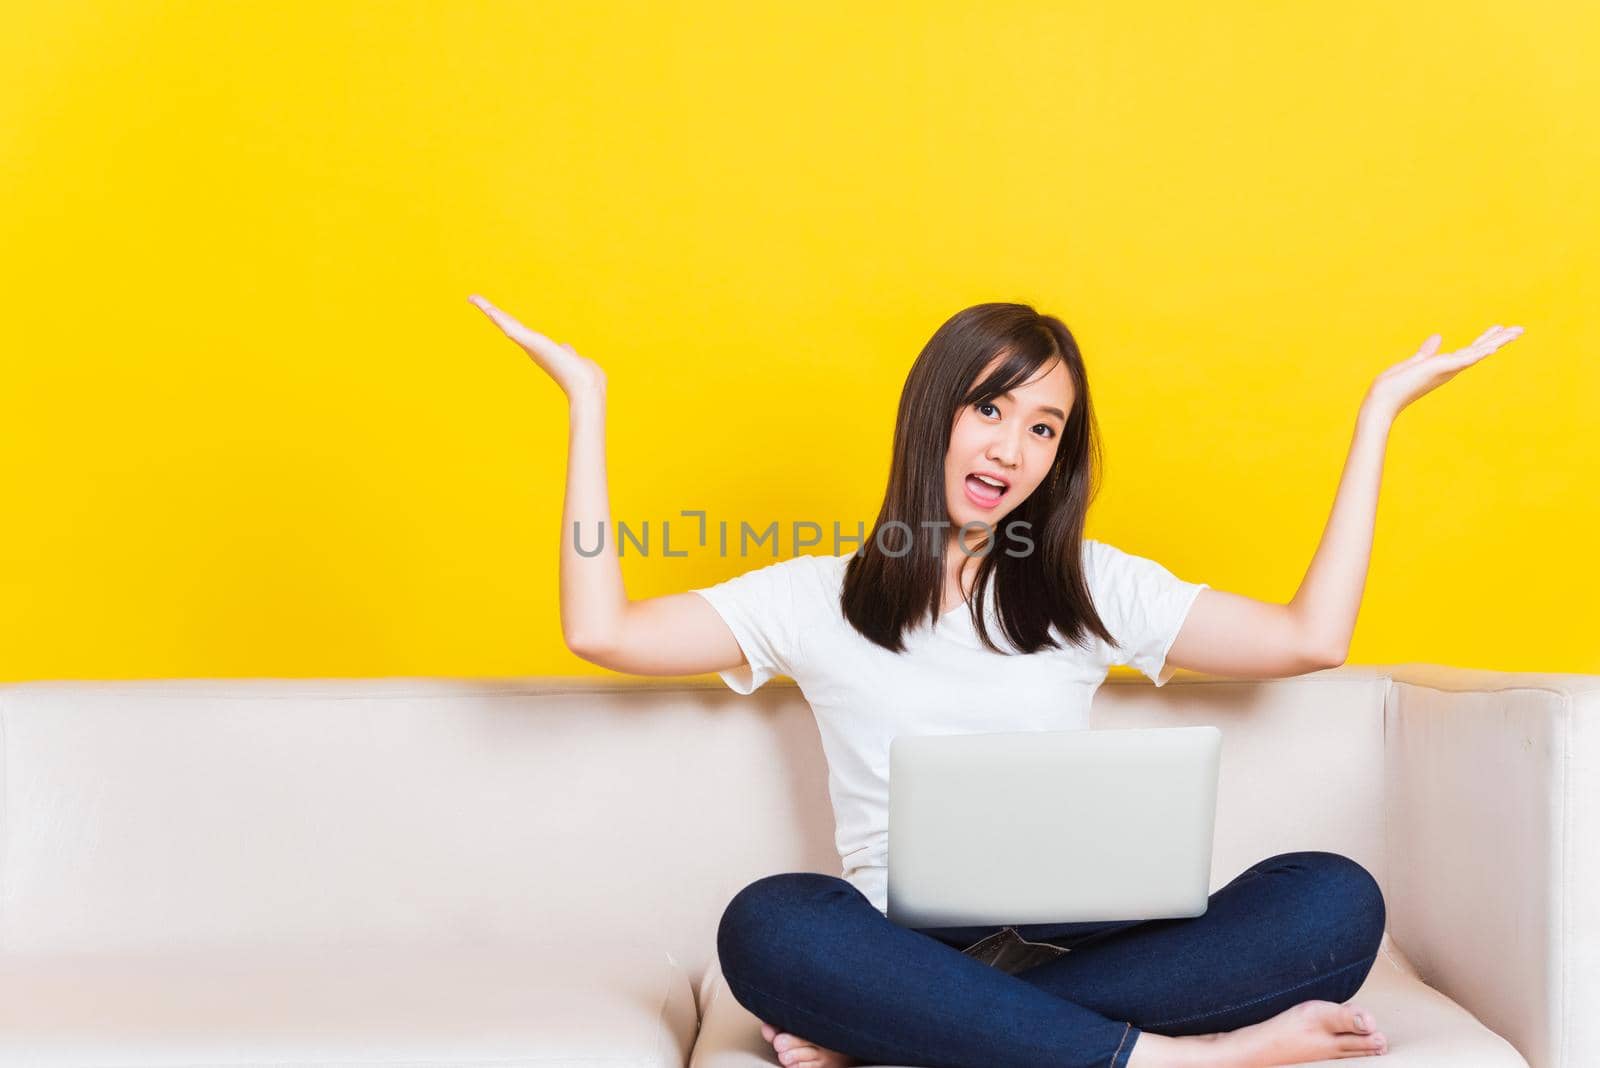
(1051, 826)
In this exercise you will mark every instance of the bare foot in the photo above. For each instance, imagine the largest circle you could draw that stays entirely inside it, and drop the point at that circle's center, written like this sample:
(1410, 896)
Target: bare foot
(1309, 1031)
(796, 1052)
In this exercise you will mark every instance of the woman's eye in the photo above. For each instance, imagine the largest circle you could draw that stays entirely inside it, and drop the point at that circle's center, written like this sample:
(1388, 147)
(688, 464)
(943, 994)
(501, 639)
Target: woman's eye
(1050, 431)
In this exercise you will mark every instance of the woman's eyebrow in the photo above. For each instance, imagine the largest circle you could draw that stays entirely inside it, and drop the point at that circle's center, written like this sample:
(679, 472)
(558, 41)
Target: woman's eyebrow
(1057, 412)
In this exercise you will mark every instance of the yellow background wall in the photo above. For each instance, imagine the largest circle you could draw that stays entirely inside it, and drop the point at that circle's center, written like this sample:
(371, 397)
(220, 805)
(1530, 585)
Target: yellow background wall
(249, 424)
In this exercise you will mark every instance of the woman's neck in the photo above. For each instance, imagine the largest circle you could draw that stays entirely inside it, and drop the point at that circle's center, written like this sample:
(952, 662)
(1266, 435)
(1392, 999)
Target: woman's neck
(959, 570)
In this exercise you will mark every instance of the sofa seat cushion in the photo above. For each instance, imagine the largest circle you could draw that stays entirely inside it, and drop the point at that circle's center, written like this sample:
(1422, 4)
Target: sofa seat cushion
(1425, 1029)
(443, 1007)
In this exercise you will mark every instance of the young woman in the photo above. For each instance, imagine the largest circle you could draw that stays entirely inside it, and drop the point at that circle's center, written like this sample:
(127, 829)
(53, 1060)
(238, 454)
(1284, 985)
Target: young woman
(975, 604)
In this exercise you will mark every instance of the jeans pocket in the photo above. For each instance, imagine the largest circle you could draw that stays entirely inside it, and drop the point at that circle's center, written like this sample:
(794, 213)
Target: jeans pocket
(984, 949)
(1009, 952)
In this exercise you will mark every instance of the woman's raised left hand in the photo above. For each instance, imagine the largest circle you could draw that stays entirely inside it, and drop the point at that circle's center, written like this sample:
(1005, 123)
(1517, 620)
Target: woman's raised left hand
(1429, 369)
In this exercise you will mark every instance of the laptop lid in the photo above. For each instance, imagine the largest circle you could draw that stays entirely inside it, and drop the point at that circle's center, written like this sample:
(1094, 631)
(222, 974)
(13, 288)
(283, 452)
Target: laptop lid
(1051, 826)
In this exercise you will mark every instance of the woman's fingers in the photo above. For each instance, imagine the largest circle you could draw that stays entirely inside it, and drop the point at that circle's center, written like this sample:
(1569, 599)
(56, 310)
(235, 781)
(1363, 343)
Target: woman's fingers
(541, 348)
(1482, 345)
(1429, 347)
(1482, 341)
(571, 371)
(513, 329)
(1417, 375)
(507, 324)
(1451, 362)
(1489, 341)
(501, 319)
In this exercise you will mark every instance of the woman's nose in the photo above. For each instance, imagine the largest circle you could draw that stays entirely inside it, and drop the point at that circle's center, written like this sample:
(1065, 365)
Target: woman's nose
(1004, 453)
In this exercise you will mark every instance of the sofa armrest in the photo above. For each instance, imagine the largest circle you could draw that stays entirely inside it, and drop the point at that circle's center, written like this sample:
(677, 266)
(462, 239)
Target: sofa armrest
(1492, 836)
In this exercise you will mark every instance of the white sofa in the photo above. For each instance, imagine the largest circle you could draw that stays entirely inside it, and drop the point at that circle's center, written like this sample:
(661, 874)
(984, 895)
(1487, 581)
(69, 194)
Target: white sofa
(426, 872)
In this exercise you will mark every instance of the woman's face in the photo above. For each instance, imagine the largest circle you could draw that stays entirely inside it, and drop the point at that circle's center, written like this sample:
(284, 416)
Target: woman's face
(1013, 439)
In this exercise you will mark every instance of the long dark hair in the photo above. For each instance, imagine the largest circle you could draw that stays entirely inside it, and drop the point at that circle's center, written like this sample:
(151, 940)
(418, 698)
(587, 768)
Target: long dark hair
(885, 594)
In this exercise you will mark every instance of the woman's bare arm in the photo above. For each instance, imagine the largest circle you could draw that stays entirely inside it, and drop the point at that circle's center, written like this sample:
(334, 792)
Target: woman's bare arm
(677, 634)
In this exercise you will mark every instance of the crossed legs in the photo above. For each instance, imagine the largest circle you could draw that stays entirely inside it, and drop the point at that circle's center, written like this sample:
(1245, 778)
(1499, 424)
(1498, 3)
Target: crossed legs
(810, 955)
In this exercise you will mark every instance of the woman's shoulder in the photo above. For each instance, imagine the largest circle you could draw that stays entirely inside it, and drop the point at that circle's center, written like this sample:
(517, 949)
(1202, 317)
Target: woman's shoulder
(808, 564)
(1108, 565)
(814, 563)
(819, 580)
(827, 572)
(805, 575)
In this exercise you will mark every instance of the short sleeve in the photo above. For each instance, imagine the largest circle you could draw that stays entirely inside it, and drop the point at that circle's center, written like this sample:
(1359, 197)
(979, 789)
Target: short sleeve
(759, 607)
(1143, 605)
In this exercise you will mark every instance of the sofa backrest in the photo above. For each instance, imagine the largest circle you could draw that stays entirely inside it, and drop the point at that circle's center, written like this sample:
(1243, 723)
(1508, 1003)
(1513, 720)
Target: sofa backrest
(193, 813)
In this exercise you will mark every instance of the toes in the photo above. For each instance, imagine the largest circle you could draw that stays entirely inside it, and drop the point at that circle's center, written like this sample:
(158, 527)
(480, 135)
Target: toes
(794, 1050)
(1330, 1016)
(1362, 1046)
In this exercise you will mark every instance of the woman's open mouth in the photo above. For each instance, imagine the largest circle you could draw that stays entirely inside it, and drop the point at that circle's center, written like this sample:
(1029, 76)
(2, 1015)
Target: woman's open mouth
(985, 492)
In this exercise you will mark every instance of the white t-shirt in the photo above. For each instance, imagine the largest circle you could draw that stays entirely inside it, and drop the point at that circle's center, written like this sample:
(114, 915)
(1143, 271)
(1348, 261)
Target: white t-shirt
(787, 619)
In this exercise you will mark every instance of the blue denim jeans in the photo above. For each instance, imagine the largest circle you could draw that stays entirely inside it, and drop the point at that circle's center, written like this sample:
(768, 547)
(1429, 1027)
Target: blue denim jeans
(809, 954)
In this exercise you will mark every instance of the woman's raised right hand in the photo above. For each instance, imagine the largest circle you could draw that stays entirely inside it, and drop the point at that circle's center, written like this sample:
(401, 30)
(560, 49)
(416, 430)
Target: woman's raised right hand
(576, 375)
